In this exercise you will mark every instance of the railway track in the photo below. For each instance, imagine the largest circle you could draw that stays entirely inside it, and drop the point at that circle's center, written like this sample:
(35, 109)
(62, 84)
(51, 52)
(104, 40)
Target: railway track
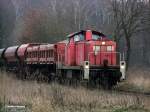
(116, 90)
(121, 91)
(136, 93)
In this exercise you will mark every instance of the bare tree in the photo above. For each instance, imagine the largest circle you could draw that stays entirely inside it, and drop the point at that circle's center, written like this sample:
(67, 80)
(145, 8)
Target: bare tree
(7, 18)
(126, 18)
(146, 18)
(1, 39)
(35, 27)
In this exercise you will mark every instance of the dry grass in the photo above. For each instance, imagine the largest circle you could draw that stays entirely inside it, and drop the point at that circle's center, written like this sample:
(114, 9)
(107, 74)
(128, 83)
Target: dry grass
(137, 80)
(58, 98)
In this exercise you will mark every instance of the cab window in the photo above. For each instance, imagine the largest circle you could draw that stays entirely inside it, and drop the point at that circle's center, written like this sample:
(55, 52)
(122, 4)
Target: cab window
(78, 37)
(109, 48)
(96, 48)
(95, 37)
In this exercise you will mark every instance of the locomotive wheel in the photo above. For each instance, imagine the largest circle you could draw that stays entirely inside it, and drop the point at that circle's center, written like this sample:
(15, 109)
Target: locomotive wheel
(106, 83)
(98, 83)
(75, 82)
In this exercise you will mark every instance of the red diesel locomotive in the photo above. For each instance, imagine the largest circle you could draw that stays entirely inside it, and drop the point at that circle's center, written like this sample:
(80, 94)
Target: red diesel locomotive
(90, 55)
(85, 56)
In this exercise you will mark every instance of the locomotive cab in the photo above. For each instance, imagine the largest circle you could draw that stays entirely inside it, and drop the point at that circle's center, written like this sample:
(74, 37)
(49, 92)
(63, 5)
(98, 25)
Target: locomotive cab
(90, 55)
(96, 49)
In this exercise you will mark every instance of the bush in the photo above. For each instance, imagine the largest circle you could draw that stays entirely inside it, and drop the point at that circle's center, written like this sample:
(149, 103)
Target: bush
(1, 107)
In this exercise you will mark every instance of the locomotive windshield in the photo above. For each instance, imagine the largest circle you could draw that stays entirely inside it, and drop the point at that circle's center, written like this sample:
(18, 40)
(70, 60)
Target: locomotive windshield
(96, 37)
(85, 35)
(78, 37)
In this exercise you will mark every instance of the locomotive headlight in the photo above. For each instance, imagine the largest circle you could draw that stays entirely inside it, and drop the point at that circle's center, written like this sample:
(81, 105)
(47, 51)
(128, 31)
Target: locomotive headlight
(103, 43)
(86, 70)
(122, 67)
(86, 65)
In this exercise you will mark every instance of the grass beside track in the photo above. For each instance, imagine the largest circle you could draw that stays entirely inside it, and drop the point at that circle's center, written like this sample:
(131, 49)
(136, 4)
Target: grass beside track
(138, 80)
(42, 97)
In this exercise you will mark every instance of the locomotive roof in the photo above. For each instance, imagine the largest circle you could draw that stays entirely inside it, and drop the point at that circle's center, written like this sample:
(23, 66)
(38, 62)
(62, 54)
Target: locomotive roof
(83, 31)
